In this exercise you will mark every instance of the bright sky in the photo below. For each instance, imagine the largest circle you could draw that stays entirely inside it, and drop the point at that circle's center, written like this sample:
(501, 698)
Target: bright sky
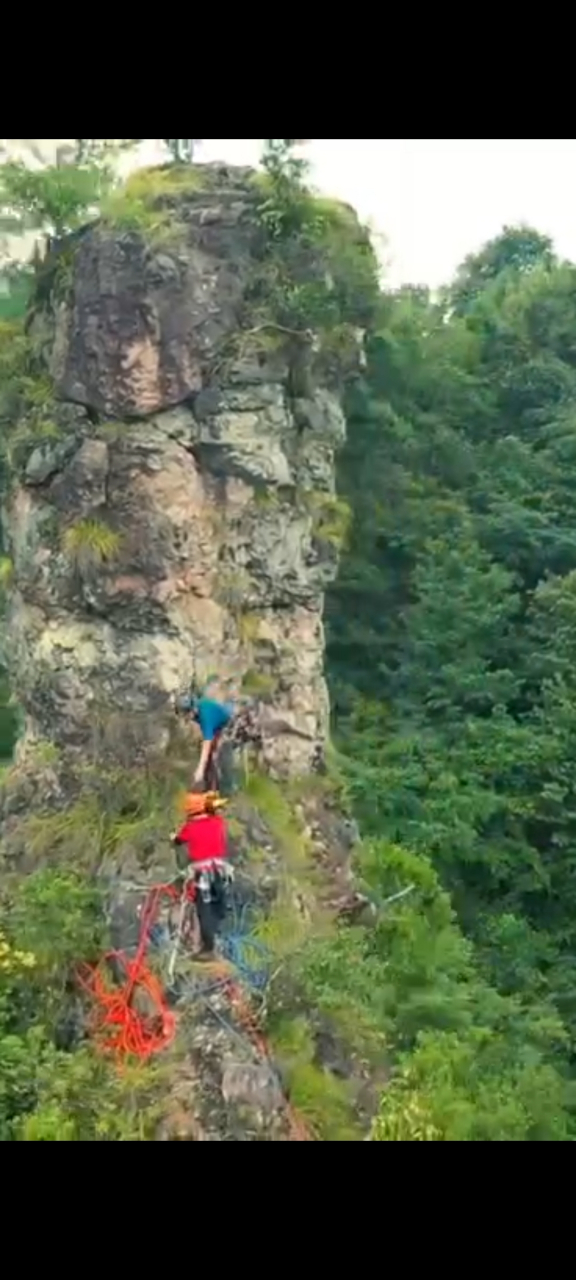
(438, 200)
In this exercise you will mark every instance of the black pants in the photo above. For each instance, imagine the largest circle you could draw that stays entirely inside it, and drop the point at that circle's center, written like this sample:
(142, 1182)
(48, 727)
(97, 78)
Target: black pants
(212, 913)
(220, 768)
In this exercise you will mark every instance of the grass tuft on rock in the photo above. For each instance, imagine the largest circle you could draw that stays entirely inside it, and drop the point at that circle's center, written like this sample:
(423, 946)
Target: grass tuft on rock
(145, 202)
(89, 543)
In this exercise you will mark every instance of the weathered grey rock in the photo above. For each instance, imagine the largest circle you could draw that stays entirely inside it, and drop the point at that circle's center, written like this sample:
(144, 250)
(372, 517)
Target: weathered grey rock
(47, 459)
(150, 553)
(322, 415)
(143, 325)
(253, 1084)
(247, 444)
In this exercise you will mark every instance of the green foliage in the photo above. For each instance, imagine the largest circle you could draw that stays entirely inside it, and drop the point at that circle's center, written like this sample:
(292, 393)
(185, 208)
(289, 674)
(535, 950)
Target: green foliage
(451, 652)
(145, 202)
(248, 626)
(56, 915)
(56, 199)
(517, 250)
(80, 1098)
(465, 1089)
(331, 517)
(182, 149)
(257, 684)
(318, 272)
(90, 543)
(324, 1102)
(102, 150)
(8, 719)
(270, 800)
(16, 284)
(291, 918)
(26, 399)
(48, 1094)
(119, 810)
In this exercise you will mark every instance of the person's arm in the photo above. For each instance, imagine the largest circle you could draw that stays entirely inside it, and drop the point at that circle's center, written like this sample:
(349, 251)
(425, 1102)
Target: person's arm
(204, 758)
(207, 722)
(181, 836)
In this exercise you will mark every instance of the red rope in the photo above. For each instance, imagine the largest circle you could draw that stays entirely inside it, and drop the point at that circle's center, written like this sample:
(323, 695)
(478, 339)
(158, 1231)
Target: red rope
(116, 1024)
(121, 1029)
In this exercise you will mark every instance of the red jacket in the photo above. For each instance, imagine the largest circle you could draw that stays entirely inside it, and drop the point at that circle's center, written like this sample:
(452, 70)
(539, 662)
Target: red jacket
(205, 837)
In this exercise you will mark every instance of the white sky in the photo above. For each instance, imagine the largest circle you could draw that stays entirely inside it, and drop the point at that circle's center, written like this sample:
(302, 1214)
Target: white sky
(438, 200)
(435, 200)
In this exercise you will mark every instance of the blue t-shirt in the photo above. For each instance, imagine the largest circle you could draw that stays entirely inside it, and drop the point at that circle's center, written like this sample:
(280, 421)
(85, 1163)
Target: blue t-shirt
(213, 717)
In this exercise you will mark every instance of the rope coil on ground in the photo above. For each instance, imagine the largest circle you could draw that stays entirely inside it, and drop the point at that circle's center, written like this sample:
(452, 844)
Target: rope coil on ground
(116, 1022)
(121, 1028)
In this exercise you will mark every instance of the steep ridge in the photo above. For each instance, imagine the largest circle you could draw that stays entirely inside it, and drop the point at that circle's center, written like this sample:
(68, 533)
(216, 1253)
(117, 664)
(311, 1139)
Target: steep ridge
(171, 512)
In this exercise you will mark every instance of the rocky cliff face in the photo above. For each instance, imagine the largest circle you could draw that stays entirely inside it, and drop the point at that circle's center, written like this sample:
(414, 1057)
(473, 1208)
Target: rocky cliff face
(174, 515)
(169, 426)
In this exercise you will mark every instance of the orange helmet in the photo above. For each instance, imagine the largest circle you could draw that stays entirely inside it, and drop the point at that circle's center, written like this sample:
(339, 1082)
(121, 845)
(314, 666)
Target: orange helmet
(198, 803)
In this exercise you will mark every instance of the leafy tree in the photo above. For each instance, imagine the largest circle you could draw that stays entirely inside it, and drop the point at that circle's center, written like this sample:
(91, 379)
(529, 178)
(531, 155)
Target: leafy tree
(451, 652)
(516, 249)
(182, 149)
(55, 200)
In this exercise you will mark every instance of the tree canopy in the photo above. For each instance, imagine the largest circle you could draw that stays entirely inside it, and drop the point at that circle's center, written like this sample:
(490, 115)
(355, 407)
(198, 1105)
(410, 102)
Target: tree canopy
(452, 657)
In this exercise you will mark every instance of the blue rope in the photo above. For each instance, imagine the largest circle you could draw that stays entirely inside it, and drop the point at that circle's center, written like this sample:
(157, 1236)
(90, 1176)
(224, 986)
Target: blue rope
(250, 958)
(239, 946)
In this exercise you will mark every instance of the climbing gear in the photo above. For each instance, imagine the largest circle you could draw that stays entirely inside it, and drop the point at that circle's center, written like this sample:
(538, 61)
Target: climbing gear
(186, 898)
(116, 1023)
(204, 883)
(244, 729)
(120, 1029)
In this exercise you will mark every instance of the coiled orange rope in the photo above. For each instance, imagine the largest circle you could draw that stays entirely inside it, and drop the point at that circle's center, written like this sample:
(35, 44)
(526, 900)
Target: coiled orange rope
(122, 1029)
(116, 1022)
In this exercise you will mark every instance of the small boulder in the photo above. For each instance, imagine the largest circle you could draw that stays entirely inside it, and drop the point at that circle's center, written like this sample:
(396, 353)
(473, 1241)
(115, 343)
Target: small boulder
(252, 1084)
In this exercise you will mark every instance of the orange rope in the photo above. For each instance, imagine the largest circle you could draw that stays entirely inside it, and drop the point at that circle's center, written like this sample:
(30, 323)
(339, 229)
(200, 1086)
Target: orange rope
(119, 1028)
(116, 1024)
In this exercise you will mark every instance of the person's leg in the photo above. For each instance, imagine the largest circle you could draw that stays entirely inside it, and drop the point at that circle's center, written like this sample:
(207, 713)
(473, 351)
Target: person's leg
(226, 768)
(212, 775)
(193, 934)
(207, 924)
(219, 903)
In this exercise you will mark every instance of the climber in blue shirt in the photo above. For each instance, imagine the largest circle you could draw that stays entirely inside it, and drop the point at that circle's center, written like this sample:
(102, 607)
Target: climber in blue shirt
(212, 716)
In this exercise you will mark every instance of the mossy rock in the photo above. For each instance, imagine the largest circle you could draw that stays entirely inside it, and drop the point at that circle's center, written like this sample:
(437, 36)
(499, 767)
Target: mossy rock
(325, 1102)
(256, 684)
(146, 201)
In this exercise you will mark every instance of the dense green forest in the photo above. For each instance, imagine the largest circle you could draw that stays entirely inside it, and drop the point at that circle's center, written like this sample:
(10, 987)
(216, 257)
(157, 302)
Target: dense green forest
(452, 650)
(451, 664)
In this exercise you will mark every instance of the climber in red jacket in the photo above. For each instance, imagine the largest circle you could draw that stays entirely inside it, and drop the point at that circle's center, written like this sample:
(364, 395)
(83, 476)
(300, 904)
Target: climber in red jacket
(204, 838)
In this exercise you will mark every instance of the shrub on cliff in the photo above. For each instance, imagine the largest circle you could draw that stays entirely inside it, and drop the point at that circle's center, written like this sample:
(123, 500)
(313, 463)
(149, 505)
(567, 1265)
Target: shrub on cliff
(53, 1086)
